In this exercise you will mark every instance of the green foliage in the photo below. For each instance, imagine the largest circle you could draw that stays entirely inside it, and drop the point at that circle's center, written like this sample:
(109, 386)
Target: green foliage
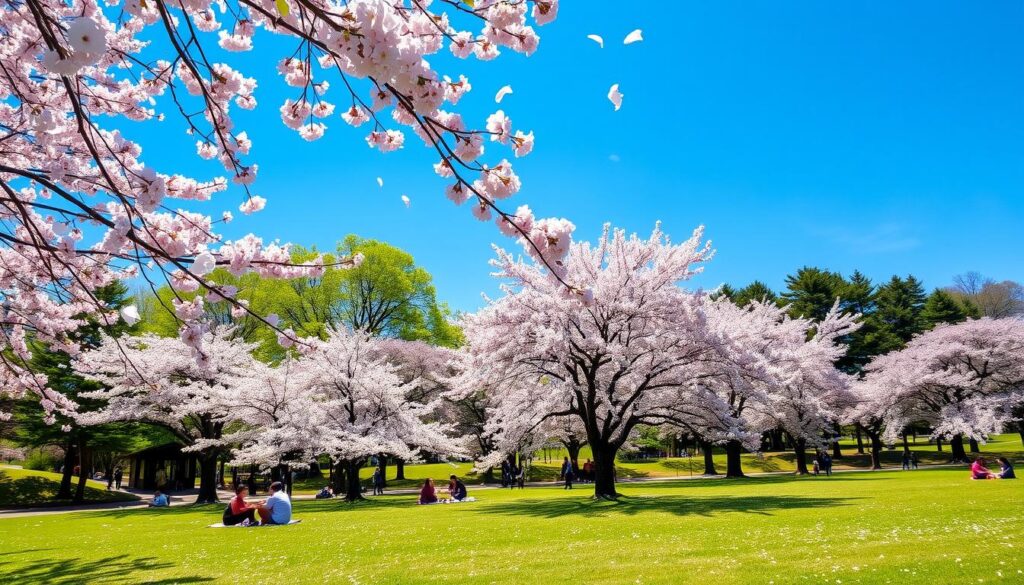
(755, 291)
(25, 487)
(942, 307)
(41, 460)
(388, 294)
(811, 292)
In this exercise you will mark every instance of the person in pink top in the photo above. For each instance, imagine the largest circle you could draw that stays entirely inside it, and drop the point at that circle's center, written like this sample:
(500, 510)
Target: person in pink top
(979, 471)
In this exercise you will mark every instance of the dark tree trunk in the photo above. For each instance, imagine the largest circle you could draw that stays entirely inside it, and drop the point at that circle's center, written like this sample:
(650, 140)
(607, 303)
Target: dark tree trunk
(938, 443)
(383, 461)
(220, 473)
(906, 445)
(399, 469)
(338, 477)
(860, 441)
(353, 489)
(733, 464)
(207, 479)
(573, 447)
(776, 440)
(604, 470)
(837, 453)
(64, 493)
(957, 445)
(975, 447)
(1021, 433)
(488, 476)
(800, 448)
(876, 449)
(83, 472)
(709, 458)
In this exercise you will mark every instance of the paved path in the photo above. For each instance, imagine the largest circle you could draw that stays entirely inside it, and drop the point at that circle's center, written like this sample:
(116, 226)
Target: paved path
(189, 497)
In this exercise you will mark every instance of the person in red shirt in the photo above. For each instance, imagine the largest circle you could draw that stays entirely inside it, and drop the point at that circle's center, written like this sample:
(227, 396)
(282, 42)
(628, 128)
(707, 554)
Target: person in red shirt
(427, 494)
(979, 471)
(238, 510)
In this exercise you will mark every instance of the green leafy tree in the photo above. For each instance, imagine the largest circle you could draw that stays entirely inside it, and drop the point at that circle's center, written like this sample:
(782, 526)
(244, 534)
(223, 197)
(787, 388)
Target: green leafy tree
(900, 303)
(811, 292)
(755, 291)
(943, 307)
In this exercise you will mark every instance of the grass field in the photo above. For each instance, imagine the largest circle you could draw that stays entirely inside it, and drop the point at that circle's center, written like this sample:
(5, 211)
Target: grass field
(928, 526)
(23, 487)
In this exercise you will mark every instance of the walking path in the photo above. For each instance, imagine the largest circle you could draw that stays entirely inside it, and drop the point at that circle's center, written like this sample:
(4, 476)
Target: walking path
(189, 497)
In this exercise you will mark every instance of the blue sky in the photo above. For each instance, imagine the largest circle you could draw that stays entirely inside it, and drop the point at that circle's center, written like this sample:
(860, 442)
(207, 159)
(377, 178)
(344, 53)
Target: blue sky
(887, 137)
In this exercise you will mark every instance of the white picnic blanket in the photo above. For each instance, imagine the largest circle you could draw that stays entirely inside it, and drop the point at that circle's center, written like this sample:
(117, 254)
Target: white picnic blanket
(221, 525)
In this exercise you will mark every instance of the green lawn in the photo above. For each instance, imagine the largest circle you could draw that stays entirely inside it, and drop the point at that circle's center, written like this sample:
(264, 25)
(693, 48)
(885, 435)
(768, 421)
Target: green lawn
(929, 526)
(24, 488)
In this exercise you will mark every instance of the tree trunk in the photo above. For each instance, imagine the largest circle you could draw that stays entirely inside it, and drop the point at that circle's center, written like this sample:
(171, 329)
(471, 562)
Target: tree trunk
(776, 440)
(1021, 432)
(860, 441)
(733, 464)
(207, 479)
(906, 445)
(604, 470)
(800, 448)
(975, 448)
(338, 477)
(488, 476)
(957, 445)
(64, 493)
(837, 453)
(83, 472)
(938, 443)
(353, 489)
(573, 447)
(383, 460)
(709, 458)
(399, 469)
(876, 450)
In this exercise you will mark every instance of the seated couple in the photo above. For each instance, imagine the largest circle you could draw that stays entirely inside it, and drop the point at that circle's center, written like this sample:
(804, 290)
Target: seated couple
(979, 471)
(277, 509)
(456, 489)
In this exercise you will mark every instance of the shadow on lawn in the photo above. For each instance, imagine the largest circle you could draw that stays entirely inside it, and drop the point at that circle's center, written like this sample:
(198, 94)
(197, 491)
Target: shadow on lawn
(111, 569)
(678, 505)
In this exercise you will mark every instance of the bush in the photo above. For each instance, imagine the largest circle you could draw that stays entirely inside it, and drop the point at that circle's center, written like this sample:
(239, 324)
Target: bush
(42, 460)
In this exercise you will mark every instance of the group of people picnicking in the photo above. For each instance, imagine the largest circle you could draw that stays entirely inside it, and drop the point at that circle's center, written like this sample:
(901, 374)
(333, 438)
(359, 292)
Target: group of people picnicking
(457, 492)
(276, 509)
(979, 471)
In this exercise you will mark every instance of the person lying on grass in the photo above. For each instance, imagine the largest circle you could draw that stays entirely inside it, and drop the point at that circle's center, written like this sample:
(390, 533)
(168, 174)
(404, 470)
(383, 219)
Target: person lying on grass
(238, 511)
(427, 494)
(277, 509)
(979, 471)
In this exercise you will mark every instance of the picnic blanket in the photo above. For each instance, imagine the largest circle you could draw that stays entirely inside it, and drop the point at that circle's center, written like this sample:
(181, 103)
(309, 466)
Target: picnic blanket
(463, 501)
(221, 525)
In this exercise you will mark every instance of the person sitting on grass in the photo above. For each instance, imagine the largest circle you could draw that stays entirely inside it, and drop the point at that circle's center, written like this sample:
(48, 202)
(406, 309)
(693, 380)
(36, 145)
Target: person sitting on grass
(238, 511)
(428, 494)
(1005, 469)
(457, 489)
(325, 493)
(979, 471)
(277, 509)
(160, 500)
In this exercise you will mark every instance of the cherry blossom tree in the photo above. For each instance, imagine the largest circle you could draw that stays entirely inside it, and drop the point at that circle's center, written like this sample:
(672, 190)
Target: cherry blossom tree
(629, 348)
(810, 395)
(362, 406)
(166, 382)
(81, 207)
(962, 379)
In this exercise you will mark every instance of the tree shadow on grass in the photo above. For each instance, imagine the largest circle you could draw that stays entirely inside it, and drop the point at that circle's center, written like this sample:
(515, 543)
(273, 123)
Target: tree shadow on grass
(702, 482)
(110, 569)
(673, 504)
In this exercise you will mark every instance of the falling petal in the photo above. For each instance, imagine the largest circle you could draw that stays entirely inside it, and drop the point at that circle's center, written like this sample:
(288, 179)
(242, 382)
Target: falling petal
(380, 182)
(597, 39)
(633, 37)
(405, 199)
(502, 93)
(130, 314)
(615, 96)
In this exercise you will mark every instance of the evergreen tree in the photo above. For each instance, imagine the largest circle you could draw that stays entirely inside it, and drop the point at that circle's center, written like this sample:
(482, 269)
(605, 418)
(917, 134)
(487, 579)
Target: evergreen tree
(942, 307)
(811, 292)
(900, 303)
(755, 291)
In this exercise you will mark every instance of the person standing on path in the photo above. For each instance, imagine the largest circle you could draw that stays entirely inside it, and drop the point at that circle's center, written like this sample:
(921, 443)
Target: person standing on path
(118, 476)
(378, 482)
(567, 473)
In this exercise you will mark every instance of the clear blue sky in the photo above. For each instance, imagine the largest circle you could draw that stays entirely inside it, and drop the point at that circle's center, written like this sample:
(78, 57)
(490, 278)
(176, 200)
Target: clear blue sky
(880, 136)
